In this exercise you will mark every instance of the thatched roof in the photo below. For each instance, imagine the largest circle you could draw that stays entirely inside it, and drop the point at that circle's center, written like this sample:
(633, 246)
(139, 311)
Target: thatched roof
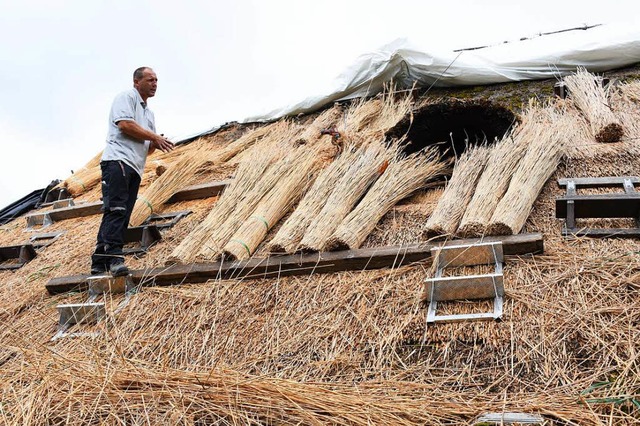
(343, 348)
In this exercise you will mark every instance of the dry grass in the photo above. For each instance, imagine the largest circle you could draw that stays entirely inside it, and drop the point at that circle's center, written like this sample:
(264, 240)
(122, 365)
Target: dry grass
(458, 192)
(592, 99)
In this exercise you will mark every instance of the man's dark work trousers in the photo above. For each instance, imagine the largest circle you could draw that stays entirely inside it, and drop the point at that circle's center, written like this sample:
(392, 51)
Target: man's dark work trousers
(120, 185)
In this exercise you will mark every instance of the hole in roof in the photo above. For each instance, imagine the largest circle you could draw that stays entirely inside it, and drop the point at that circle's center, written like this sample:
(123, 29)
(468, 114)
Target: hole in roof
(454, 124)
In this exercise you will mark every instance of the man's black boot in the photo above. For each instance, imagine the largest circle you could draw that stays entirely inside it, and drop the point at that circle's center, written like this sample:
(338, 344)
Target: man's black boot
(118, 269)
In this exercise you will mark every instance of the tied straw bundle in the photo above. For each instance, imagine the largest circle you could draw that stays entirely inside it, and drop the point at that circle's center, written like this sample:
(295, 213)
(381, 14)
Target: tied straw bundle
(303, 167)
(279, 172)
(183, 172)
(85, 178)
(494, 182)
(403, 176)
(593, 100)
(263, 154)
(458, 193)
(365, 119)
(365, 164)
(538, 164)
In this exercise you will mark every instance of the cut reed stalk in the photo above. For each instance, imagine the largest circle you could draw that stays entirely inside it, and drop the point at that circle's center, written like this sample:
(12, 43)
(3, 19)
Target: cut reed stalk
(403, 176)
(593, 100)
(538, 164)
(365, 166)
(458, 193)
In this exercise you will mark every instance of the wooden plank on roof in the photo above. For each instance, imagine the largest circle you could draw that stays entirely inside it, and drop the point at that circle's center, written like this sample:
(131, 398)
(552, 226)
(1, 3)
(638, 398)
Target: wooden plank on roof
(299, 264)
(468, 287)
(598, 182)
(195, 192)
(601, 205)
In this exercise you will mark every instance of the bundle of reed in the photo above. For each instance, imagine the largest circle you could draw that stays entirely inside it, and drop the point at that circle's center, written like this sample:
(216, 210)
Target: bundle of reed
(304, 163)
(458, 193)
(360, 114)
(248, 174)
(184, 171)
(393, 109)
(326, 120)
(403, 176)
(593, 100)
(503, 160)
(84, 179)
(537, 165)
(282, 160)
(365, 164)
(631, 90)
(291, 232)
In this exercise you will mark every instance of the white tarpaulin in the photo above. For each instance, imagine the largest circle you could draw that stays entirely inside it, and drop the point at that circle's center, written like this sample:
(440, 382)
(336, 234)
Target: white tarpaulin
(598, 49)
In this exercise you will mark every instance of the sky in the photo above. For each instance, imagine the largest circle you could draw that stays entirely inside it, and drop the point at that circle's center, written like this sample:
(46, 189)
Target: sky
(62, 62)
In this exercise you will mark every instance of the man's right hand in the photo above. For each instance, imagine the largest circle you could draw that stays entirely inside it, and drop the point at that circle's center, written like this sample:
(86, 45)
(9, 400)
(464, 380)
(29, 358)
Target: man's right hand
(162, 143)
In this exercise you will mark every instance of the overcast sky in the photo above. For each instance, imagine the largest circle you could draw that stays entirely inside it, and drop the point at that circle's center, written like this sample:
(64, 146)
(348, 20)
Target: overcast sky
(62, 62)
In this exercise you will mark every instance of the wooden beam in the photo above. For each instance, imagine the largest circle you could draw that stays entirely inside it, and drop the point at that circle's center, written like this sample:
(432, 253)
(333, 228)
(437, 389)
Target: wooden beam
(299, 264)
(464, 287)
(618, 205)
(195, 192)
(598, 182)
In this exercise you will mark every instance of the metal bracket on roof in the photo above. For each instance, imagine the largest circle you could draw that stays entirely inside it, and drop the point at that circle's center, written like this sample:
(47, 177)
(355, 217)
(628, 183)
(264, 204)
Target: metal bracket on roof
(56, 195)
(612, 205)
(14, 257)
(91, 312)
(42, 219)
(508, 418)
(44, 240)
(166, 220)
(487, 286)
(145, 236)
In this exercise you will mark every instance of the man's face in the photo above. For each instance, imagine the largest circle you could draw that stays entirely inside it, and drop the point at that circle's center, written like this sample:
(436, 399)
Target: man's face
(148, 84)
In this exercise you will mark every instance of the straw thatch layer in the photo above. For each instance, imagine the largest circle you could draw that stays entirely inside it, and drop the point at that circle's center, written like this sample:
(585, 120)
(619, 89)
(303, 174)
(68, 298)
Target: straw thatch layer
(459, 191)
(402, 177)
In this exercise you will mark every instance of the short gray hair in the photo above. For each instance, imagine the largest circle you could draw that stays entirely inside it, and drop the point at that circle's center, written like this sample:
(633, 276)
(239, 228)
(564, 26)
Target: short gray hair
(139, 73)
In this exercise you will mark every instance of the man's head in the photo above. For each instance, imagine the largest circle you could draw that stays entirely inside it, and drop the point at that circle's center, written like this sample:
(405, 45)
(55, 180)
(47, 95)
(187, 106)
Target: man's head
(146, 82)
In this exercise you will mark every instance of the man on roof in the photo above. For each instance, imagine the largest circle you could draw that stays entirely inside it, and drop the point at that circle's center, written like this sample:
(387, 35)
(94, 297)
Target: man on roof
(131, 136)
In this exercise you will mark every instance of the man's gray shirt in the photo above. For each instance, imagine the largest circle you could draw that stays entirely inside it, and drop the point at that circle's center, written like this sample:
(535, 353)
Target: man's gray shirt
(129, 106)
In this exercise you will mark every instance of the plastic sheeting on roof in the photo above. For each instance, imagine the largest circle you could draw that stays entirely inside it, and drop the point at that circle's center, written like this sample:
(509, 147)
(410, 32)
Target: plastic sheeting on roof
(598, 49)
